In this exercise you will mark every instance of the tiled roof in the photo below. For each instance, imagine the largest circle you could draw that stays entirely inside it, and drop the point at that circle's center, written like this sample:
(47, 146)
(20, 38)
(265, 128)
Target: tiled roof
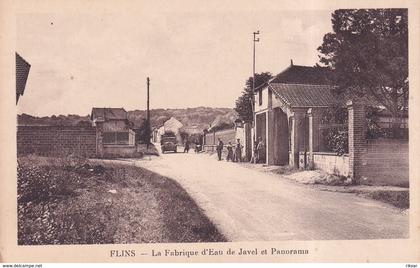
(108, 114)
(304, 95)
(297, 74)
(22, 71)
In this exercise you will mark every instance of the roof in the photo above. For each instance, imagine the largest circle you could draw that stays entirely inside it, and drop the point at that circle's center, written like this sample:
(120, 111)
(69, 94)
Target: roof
(173, 122)
(297, 74)
(103, 114)
(304, 95)
(22, 71)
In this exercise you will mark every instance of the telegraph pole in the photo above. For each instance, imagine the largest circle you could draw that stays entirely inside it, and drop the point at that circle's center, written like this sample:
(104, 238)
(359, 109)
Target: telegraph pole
(148, 130)
(254, 124)
(253, 60)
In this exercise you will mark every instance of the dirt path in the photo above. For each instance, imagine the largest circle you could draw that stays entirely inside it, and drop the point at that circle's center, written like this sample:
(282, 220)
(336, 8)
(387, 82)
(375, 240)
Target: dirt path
(248, 205)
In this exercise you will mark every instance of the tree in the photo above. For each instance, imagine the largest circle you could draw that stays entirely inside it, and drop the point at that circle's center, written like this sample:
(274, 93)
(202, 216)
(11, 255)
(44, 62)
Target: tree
(143, 133)
(368, 51)
(244, 102)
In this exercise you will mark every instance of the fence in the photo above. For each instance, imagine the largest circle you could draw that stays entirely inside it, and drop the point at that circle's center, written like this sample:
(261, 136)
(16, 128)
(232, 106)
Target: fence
(226, 136)
(56, 140)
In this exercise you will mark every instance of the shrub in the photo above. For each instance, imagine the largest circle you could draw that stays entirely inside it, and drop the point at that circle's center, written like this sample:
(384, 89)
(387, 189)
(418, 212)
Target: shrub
(40, 183)
(336, 137)
(336, 140)
(48, 210)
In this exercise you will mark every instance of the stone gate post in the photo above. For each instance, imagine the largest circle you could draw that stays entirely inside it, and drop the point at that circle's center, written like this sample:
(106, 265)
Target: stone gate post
(357, 137)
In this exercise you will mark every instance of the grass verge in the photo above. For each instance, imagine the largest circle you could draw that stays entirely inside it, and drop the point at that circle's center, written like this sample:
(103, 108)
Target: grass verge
(73, 201)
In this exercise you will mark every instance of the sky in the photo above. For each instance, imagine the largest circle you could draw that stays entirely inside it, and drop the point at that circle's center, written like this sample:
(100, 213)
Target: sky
(193, 58)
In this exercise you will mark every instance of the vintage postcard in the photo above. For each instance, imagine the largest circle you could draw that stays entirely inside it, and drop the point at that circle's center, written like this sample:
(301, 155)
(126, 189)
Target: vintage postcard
(209, 131)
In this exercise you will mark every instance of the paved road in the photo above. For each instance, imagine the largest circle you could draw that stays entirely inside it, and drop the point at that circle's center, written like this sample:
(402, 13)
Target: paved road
(249, 205)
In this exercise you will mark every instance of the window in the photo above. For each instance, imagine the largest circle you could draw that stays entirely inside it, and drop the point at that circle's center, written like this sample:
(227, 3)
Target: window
(260, 97)
(115, 138)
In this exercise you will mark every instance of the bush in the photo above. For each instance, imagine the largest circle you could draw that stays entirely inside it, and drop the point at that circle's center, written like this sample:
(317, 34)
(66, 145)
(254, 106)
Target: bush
(336, 140)
(48, 212)
(40, 183)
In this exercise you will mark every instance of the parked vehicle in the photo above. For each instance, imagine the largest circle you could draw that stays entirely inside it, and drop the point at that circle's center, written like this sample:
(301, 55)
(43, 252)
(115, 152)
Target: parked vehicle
(168, 142)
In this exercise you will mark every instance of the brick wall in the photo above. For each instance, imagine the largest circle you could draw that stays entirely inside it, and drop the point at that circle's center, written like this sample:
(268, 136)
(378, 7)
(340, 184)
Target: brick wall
(56, 140)
(385, 162)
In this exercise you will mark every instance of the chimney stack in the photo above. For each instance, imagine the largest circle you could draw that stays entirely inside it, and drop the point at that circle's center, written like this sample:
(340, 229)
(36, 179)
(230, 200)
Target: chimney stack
(291, 62)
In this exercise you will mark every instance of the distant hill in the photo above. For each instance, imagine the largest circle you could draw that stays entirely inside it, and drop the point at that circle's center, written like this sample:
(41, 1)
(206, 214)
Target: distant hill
(197, 118)
(55, 120)
(200, 117)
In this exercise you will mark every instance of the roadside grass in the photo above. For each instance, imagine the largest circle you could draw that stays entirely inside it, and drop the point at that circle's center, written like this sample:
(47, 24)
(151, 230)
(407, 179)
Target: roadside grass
(74, 201)
(396, 196)
(400, 199)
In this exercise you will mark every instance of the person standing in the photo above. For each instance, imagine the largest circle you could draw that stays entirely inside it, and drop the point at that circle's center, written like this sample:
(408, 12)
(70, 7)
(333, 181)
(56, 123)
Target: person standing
(255, 158)
(187, 146)
(197, 147)
(261, 151)
(219, 149)
(230, 152)
(238, 151)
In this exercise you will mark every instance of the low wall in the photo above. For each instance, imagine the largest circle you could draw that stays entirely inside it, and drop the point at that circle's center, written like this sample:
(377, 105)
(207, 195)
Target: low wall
(117, 151)
(56, 140)
(386, 162)
(331, 163)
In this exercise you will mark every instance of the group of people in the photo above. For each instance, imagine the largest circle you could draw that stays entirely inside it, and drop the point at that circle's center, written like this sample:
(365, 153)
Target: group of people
(234, 152)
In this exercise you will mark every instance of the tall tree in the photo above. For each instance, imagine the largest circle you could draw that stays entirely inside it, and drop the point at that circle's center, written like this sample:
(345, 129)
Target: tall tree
(368, 49)
(244, 102)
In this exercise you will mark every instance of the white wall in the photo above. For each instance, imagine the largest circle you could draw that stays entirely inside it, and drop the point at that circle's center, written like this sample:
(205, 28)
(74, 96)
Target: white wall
(332, 164)
(264, 100)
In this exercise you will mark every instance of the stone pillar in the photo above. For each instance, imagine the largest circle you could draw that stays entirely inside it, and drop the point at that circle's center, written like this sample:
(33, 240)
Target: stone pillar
(296, 137)
(357, 138)
(314, 116)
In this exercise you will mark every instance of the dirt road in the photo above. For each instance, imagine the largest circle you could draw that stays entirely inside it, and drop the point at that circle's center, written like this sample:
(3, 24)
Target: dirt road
(248, 205)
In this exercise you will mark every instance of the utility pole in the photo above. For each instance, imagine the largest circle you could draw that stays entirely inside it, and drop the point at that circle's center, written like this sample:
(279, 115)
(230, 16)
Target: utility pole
(148, 130)
(254, 124)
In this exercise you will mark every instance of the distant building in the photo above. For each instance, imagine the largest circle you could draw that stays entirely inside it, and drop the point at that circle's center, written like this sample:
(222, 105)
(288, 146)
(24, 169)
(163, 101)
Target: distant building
(170, 125)
(173, 125)
(114, 132)
(22, 72)
(157, 132)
